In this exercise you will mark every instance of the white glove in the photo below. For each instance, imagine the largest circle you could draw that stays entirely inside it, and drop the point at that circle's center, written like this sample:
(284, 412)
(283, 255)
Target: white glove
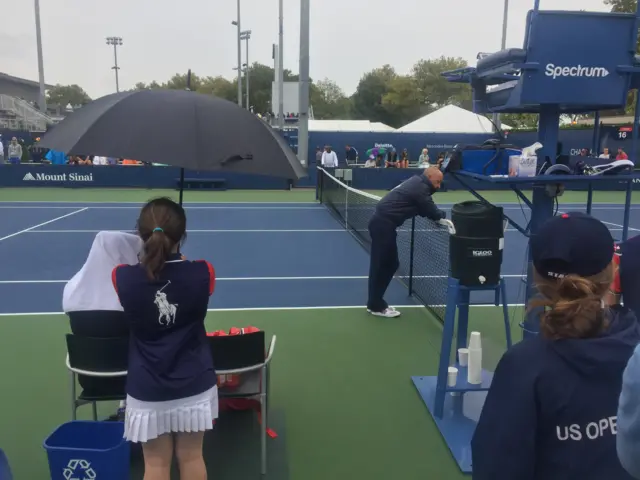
(449, 224)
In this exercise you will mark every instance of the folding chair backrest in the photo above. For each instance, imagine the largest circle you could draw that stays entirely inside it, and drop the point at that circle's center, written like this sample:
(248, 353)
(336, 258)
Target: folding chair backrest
(237, 351)
(98, 354)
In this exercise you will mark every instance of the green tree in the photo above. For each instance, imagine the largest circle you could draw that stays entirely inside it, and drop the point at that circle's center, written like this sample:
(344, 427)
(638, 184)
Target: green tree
(367, 100)
(329, 101)
(622, 6)
(402, 101)
(520, 120)
(434, 90)
(220, 87)
(64, 95)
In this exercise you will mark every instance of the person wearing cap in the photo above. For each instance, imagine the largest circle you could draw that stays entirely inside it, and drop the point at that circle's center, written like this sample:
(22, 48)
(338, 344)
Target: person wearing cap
(626, 289)
(550, 413)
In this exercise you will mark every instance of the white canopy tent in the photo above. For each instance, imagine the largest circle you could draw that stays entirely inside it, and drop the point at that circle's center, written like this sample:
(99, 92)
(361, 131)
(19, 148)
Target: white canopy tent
(451, 119)
(348, 126)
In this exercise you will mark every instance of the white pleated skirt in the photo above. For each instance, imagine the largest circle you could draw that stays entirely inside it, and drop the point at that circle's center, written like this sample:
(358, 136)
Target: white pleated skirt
(145, 421)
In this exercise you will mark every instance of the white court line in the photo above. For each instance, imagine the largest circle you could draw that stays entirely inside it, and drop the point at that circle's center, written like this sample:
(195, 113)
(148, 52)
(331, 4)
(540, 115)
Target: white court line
(143, 203)
(619, 227)
(258, 279)
(117, 207)
(303, 230)
(267, 309)
(44, 223)
(204, 231)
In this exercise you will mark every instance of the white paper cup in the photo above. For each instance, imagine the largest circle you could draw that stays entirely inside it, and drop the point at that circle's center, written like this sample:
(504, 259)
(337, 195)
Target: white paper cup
(463, 357)
(452, 377)
(474, 340)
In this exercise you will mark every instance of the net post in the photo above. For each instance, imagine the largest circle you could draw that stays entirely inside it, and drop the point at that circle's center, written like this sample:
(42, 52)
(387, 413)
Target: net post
(411, 248)
(346, 209)
(319, 180)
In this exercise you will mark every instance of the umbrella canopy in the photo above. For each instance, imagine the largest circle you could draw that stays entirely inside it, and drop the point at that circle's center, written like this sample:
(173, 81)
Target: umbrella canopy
(179, 128)
(376, 151)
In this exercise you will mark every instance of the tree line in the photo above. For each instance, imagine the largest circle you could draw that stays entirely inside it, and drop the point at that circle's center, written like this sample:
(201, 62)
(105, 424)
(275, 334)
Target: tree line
(382, 95)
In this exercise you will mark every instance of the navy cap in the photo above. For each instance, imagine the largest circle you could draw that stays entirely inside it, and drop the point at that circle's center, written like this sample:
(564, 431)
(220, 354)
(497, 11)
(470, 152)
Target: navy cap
(572, 243)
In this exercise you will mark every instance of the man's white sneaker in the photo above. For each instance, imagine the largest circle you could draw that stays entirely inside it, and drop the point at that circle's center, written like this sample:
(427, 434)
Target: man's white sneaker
(388, 312)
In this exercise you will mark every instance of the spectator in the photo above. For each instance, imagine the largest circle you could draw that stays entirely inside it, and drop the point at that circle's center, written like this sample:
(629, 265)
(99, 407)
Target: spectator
(392, 159)
(605, 153)
(172, 396)
(98, 160)
(423, 160)
(329, 158)
(1, 151)
(318, 155)
(551, 410)
(404, 159)
(371, 162)
(14, 152)
(622, 155)
(351, 154)
(56, 157)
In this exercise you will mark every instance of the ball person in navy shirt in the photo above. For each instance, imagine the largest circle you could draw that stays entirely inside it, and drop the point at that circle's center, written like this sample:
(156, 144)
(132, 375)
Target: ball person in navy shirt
(550, 413)
(172, 396)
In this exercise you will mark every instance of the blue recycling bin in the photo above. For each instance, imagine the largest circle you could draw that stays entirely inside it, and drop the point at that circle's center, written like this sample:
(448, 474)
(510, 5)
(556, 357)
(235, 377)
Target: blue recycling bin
(88, 450)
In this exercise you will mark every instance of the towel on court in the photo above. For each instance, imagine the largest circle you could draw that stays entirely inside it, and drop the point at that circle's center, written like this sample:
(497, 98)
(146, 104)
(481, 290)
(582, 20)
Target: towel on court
(91, 288)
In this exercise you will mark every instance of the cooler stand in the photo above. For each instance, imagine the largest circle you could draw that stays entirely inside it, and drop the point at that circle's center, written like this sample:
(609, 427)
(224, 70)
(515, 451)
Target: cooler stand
(454, 411)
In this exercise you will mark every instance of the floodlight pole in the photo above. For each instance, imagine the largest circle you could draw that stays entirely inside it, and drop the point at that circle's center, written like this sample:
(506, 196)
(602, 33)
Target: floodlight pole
(42, 99)
(237, 24)
(505, 18)
(246, 36)
(281, 65)
(116, 42)
(303, 85)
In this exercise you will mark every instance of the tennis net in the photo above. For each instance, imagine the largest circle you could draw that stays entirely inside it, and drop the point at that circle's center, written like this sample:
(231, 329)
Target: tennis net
(423, 245)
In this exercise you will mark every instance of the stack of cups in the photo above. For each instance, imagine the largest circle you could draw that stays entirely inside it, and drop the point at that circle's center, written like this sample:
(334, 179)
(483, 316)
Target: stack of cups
(474, 370)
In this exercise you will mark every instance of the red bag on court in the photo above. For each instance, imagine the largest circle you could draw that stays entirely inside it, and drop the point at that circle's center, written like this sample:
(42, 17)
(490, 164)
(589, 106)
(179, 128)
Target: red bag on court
(232, 381)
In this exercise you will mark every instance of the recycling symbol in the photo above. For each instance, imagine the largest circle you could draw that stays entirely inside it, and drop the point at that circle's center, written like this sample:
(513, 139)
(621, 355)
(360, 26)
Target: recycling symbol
(79, 470)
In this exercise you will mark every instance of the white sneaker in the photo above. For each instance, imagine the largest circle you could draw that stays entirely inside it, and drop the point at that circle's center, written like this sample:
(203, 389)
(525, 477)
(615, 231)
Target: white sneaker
(388, 312)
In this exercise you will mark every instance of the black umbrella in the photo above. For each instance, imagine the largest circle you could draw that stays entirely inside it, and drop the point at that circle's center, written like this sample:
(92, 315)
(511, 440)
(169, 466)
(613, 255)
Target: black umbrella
(179, 128)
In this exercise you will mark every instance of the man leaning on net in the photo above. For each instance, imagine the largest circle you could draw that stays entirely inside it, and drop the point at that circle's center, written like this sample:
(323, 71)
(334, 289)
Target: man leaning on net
(410, 198)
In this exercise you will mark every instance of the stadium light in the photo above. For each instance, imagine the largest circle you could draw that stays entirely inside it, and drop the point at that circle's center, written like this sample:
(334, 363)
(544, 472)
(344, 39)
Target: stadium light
(42, 99)
(239, 67)
(246, 36)
(116, 42)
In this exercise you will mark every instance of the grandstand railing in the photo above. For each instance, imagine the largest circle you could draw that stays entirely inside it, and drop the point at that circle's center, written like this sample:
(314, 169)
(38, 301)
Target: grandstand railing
(29, 117)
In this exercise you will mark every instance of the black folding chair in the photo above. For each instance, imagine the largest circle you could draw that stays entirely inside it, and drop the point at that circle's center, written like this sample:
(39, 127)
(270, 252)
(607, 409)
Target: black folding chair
(99, 365)
(244, 355)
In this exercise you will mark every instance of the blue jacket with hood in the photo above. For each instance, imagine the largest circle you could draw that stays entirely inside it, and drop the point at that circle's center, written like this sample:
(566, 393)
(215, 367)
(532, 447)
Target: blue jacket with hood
(551, 411)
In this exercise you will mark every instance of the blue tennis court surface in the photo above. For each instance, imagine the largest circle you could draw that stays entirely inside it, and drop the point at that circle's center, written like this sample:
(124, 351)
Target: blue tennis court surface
(266, 255)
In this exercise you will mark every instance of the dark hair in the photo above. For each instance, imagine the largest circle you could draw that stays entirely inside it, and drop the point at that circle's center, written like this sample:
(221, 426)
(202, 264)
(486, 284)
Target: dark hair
(573, 304)
(162, 225)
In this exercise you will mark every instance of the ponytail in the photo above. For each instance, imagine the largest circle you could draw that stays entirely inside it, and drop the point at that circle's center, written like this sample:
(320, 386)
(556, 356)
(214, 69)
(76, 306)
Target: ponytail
(573, 305)
(157, 249)
(162, 225)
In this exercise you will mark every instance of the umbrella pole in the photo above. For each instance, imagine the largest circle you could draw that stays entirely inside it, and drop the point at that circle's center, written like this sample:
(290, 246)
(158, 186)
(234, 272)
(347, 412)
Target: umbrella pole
(181, 184)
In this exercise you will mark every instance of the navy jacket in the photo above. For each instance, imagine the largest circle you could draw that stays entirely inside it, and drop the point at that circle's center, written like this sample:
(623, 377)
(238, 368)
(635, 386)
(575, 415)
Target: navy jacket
(551, 411)
(169, 356)
(412, 197)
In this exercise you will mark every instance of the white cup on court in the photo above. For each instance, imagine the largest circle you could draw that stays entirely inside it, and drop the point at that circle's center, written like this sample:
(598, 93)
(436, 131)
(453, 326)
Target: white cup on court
(452, 377)
(463, 357)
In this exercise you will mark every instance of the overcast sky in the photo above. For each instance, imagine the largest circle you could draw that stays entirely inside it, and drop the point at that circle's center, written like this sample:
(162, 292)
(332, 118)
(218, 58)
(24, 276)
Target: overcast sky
(162, 37)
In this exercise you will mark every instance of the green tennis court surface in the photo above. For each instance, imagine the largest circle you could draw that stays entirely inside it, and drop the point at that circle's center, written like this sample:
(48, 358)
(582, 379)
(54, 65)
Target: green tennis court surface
(340, 377)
